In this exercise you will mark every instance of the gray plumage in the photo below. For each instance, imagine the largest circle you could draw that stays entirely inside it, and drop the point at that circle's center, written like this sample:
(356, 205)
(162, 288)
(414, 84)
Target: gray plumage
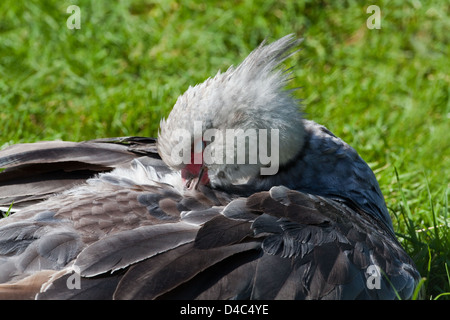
(119, 213)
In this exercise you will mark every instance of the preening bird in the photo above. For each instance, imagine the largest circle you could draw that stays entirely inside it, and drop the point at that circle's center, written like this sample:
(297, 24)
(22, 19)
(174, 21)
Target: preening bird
(238, 198)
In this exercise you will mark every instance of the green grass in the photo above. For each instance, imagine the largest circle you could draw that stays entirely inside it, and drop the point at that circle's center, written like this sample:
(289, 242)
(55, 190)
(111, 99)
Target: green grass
(385, 92)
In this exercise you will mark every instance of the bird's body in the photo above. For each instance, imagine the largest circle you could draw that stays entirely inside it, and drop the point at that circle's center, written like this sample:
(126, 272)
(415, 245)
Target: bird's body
(126, 225)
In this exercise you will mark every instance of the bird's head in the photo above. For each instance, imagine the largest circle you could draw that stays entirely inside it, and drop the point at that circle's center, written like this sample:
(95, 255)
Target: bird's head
(237, 125)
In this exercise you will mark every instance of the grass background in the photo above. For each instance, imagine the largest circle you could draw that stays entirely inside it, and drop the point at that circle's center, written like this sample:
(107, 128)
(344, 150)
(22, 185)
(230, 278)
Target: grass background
(385, 92)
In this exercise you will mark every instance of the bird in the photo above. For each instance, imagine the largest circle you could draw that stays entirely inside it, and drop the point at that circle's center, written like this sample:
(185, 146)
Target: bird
(238, 197)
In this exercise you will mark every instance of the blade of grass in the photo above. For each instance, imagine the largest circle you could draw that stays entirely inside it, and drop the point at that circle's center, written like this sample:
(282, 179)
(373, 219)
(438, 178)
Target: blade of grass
(406, 209)
(433, 213)
(7, 214)
(448, 279)
(417, 294)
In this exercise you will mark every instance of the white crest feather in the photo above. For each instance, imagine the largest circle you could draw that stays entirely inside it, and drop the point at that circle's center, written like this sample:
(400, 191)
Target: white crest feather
(249, 96)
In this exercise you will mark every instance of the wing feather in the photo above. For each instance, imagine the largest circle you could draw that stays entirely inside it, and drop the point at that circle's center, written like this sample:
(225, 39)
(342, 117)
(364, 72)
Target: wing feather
(122, 249)
(152, 279)
(35, 171)
(221, 231)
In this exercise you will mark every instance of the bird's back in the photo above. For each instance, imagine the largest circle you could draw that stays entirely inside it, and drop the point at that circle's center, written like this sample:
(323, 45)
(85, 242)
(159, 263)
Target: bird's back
(116, 237)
